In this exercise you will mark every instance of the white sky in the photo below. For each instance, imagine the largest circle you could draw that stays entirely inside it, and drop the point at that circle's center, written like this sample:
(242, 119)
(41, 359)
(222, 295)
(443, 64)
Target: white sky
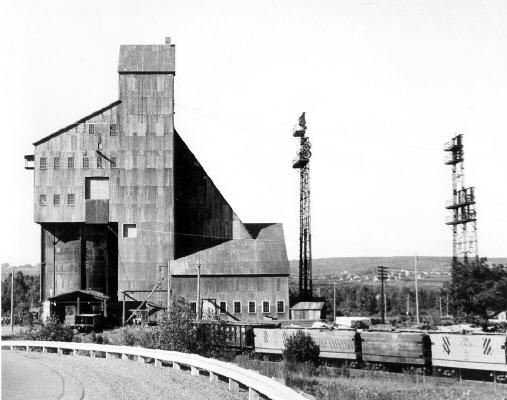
(384, 85)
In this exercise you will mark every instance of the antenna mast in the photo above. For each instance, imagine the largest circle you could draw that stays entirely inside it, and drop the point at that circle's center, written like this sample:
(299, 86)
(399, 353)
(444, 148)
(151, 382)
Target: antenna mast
(302, 162)
(463, 218)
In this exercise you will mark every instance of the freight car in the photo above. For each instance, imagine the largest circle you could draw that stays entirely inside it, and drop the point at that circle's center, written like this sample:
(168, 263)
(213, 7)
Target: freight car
(475, 356)
(338, 345)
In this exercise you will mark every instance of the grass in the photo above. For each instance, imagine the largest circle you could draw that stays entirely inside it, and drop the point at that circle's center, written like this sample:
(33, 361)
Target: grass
(332, 383)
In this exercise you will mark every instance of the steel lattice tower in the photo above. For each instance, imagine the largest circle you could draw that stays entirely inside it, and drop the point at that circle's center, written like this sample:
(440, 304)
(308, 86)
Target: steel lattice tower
(463, 218)
(302, 162)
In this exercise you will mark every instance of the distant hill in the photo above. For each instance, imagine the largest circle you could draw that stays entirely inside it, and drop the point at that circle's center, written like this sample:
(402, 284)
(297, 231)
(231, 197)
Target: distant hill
(328, 267)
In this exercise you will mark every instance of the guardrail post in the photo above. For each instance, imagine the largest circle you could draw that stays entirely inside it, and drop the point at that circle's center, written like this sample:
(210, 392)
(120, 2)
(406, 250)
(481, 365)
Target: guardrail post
(125, 356)
(140, 359)
(233, 385)
(92, 354)
(27, 349)
(74, 352)
(176, 365)
(253, 394)
(44, 349)
(158, 363)
(213, 377)
(60, 351)
(108, 355)
(194, 371)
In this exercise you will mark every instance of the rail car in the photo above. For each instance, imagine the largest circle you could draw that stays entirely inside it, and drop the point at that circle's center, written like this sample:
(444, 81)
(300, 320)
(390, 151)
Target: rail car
(481, 356)
(454, 354)
(334, 344)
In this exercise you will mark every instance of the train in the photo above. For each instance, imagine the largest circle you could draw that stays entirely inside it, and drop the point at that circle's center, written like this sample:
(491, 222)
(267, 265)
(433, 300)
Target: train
(467, 356)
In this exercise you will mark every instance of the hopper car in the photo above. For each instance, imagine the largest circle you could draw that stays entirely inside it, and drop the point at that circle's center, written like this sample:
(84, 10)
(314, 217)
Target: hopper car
(475, 356)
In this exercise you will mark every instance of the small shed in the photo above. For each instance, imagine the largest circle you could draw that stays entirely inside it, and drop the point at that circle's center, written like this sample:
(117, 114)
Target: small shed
(67, 306)
(308, 310)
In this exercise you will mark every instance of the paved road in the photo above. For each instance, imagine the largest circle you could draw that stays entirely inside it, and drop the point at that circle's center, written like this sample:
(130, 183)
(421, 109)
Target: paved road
(38, 376)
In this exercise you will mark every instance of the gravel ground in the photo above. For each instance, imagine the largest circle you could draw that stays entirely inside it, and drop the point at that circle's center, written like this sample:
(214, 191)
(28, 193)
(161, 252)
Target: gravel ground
(80, 377)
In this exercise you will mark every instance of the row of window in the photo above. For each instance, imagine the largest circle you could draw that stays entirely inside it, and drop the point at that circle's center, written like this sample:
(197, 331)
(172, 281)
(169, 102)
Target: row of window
(71, 199)
(43, 162)
(252, 307)
(113, 131)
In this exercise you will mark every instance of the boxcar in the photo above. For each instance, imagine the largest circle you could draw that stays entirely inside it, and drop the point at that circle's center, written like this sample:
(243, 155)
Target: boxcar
(486, 352)
(400, 349)
(334, 344)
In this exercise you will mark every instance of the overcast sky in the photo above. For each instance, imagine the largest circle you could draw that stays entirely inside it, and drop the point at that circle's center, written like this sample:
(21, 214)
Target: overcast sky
(384, 85)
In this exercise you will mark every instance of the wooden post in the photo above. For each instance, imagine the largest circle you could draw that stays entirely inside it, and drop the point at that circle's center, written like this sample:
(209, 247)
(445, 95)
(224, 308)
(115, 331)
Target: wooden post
(253, 394)
(123, 310)
(233, 386)
(12, 301)
(198, 309)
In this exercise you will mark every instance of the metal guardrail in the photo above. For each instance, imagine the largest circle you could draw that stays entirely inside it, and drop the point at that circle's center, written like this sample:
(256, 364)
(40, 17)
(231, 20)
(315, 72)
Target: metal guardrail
(258, 385)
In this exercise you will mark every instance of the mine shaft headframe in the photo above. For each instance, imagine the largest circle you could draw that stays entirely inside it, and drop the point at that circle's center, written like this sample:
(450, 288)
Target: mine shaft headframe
(304, 153)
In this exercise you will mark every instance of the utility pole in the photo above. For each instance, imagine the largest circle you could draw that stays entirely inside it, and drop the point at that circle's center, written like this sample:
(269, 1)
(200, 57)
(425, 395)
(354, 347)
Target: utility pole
(447, 305)
(169, 286)
(198, 308)
(416, 294)
(382, 274)
(408, 304)
(334, 302)
(302, 162)
(12, 301)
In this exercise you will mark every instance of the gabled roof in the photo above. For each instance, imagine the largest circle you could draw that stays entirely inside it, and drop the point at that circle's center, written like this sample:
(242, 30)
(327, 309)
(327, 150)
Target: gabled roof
(83, 294)
(72, 126)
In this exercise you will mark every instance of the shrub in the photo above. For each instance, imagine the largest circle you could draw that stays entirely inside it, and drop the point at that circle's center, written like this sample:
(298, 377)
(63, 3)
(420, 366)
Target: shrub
(176, 331)
(51, 329)
(299, 348)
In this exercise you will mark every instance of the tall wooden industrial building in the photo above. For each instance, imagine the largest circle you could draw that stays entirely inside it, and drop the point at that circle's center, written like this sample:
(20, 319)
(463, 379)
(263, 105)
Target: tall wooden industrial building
(119, 197)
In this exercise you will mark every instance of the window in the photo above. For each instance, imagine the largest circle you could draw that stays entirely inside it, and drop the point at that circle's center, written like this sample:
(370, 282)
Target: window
(96, 188)
(114, 162)
(280, 306)
(56, 163)
(265, 306)
(43, 163)
(70, 162)
(129, 230)
(237, 307)
(99, 162)
(112, 130)
(91, 129)
(251, 307)
(42, 200)
(193, 306)
(71, 199)
(86, 162)
(56, 200)
(223, 307)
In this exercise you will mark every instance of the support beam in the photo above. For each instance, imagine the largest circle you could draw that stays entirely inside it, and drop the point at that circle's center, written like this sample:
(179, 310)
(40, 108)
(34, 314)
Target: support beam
(233, 386)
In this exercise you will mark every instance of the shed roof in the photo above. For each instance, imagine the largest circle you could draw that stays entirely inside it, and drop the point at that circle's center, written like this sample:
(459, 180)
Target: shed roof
(309, 305)
(157, 58)
(83, 294)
